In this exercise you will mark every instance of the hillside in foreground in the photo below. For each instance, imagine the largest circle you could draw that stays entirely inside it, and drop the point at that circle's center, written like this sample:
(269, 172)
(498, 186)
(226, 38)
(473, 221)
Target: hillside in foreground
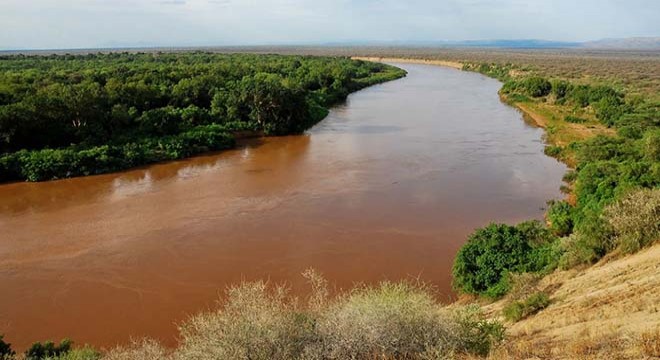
(610, 310)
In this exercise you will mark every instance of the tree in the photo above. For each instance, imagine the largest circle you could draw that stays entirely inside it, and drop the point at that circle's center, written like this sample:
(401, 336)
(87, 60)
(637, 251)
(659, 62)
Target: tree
(491, 253)
(275, 104)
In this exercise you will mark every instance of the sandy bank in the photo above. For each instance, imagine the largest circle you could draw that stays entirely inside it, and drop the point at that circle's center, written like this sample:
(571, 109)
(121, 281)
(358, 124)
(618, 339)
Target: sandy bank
(452, 64)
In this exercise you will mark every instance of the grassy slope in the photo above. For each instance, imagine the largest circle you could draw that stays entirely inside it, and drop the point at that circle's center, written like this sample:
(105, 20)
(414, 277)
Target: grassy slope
(609, 310)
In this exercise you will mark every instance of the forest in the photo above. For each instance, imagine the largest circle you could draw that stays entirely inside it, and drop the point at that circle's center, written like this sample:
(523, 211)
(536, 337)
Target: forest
(72, 115)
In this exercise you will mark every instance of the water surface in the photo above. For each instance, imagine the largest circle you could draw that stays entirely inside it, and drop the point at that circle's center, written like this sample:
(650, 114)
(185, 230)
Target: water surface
(387, 187)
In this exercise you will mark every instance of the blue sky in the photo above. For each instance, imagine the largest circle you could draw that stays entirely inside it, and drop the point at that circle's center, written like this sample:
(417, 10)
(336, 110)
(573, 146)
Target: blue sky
(33, 24)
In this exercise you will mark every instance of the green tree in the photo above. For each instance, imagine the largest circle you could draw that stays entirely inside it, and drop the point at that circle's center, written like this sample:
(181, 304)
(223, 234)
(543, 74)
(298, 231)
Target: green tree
(491, 253)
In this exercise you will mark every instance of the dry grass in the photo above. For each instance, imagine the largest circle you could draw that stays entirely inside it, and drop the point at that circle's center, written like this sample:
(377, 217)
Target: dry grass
(635, 219)
(139, 350)
(608, 311)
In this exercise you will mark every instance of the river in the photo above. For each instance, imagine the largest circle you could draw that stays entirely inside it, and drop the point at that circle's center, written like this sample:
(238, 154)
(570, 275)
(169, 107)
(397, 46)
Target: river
(387, 187)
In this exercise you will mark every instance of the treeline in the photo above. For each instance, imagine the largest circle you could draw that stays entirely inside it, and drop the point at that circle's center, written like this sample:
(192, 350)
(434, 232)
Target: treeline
(60, 115)
(615, 186)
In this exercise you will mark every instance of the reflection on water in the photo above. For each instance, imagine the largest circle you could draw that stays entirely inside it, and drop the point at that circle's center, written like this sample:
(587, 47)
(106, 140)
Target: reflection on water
(387, 187)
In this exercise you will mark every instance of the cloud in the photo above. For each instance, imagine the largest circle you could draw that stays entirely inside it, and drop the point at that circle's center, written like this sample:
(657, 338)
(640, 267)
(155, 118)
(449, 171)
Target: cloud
(173, 2)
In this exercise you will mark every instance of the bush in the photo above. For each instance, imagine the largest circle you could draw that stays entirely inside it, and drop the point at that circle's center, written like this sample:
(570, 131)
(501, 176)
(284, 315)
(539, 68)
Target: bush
(635, 219)
(86, 353)
(47, 350)
(491, 253)
(569, 176)
(518, 310)
(631, 131)
(139, 350)
(560, 217)
(553, 151)
(536, 86)
(574, 119)
(532, 86)
(255, 324)
(651, 145)
(591, 240)
(560, 89)
(5, 349)
(477, 335)
(391, 320)
(388, 321)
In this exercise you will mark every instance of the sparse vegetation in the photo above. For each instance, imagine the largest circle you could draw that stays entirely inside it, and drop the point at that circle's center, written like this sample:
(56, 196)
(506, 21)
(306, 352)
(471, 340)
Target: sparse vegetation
(518, 310)
(635, 220)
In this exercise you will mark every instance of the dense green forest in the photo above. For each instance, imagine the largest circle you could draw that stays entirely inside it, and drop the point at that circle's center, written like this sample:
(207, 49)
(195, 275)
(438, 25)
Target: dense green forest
(615, 186)
(65, 116)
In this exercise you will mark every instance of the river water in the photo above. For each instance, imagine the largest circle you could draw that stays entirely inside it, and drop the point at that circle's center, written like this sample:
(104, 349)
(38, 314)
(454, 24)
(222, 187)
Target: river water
(387, 187)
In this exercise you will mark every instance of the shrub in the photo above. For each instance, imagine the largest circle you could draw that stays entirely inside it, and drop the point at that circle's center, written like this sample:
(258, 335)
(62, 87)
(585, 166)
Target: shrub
(5, 349)
(651, 145)
(483, 263)
(609, 110)
(140, 350)
(48, 349)
(574, 119)
(633, 131)
(523, 285)
(390, 320)
(385, 321)
(536, 86)
(570, 176)
(561, 88)
(518, 310)
(590, 242)
(85, 353)
(255, 323)
(477, 335)
(554, 151)
(560, 217)
(635, 219)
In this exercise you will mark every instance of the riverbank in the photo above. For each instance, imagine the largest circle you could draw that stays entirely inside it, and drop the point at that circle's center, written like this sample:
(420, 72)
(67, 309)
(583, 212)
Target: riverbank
(451, 64)
(590, 311)
(129, 110)
(550, 117)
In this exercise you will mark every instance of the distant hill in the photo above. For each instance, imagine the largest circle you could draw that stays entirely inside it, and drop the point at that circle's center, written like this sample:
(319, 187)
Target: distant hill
(636, 43)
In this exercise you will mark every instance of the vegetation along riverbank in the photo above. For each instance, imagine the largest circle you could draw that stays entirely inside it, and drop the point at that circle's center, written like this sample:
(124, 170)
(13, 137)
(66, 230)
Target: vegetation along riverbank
(72, 115)
(582, 285)
(611, 140)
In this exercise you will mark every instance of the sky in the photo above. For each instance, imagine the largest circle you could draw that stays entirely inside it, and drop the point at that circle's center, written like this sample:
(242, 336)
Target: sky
(69, 24)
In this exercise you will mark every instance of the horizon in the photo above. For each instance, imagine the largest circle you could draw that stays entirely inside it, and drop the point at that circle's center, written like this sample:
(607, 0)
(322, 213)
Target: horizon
(504, 44)
(98, 24)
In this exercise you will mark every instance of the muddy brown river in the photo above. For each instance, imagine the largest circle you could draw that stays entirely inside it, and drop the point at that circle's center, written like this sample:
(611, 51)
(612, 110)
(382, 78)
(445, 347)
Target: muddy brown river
(387, 187)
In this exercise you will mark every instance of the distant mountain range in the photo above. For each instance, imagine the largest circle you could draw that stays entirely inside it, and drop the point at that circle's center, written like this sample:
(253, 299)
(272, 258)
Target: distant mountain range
(636, 43)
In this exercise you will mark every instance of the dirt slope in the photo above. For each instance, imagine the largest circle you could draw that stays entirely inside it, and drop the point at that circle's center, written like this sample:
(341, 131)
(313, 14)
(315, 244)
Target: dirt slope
(608, 311)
